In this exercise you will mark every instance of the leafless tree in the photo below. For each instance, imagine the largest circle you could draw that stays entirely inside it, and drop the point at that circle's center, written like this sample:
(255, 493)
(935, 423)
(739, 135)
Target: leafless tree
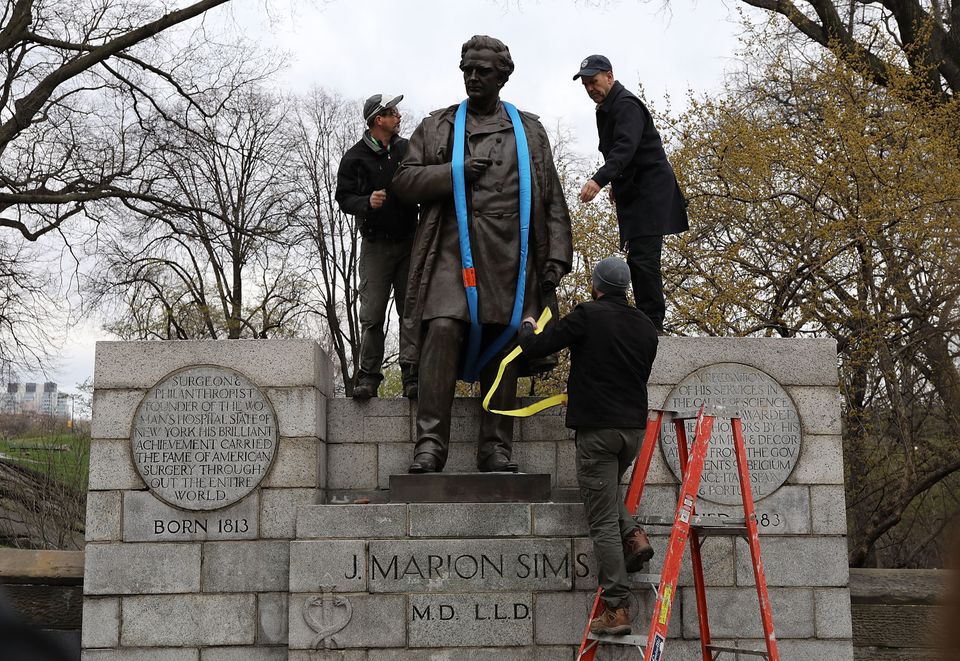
(217, 262)
(328, 125)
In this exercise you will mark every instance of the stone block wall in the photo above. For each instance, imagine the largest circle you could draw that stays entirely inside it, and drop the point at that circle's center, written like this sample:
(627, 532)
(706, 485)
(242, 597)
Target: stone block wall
(241, 593)
(165, 583)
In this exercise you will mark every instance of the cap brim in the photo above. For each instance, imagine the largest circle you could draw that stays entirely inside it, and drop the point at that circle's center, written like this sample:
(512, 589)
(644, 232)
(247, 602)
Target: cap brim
(392, 102)
(588, 72)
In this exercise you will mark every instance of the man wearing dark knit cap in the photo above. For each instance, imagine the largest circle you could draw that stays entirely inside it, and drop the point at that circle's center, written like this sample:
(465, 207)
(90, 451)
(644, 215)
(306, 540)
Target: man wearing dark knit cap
(612, 349)
(642, 184)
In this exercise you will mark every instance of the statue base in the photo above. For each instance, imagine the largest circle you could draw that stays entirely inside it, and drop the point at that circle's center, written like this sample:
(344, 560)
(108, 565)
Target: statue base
(470, 488)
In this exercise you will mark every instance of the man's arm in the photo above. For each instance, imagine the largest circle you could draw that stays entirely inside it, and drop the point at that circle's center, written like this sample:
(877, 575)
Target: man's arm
(628, 121)
(562, 333)
(415, 181)
(351, 199)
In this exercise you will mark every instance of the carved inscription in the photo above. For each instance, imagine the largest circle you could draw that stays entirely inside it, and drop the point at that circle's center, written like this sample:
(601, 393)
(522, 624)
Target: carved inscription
(474, 620)
(771, 428)
(204, 438)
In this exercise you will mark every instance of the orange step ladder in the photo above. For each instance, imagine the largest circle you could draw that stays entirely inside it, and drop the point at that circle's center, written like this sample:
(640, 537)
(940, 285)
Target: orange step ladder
(687, 524)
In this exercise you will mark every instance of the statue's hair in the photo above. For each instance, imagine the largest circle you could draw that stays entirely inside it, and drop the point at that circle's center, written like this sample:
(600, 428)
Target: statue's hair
(503, 63)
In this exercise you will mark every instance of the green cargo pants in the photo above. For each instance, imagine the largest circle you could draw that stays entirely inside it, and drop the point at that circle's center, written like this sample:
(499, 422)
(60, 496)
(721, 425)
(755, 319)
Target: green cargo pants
(383, 266)
(603, 455)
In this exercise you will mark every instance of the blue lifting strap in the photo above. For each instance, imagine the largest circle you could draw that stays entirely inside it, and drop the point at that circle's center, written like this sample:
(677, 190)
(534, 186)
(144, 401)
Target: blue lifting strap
(475, 360)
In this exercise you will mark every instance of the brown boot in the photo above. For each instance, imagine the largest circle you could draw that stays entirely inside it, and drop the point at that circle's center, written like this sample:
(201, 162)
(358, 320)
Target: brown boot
(612, 621)
(637, 550)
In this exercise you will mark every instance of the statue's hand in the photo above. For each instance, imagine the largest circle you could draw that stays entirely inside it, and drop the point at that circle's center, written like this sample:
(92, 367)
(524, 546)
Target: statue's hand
(474, 167)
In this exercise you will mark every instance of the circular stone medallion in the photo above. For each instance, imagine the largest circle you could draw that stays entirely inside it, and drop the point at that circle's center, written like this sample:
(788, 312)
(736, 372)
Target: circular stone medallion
(771, 430)
(203, 438)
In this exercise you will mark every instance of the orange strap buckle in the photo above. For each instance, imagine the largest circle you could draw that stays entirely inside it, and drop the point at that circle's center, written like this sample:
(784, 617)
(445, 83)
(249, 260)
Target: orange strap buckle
(470, 277)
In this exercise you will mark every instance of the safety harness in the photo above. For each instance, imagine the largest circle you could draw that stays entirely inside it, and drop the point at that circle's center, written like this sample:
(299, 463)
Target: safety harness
(475, 360)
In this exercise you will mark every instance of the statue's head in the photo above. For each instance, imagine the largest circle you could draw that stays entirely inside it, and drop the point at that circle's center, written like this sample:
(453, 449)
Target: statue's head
(486, 66)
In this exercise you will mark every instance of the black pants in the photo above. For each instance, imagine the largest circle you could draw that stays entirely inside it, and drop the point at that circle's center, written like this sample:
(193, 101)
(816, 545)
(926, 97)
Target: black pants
(643, 258)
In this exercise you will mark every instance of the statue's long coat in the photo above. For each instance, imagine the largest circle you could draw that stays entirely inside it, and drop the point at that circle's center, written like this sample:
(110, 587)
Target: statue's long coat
(425, 177)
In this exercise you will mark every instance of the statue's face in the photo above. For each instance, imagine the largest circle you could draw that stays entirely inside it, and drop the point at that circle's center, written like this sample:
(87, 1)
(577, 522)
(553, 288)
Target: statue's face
(480, 78)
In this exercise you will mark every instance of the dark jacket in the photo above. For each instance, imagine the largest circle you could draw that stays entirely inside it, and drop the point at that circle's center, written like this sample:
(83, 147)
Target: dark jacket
(647, 196)
(425, 177)
(366, 167)
(612, 348)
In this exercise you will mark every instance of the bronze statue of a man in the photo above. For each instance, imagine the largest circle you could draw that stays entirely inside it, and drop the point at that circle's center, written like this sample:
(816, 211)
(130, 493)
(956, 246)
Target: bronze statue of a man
(508, 201)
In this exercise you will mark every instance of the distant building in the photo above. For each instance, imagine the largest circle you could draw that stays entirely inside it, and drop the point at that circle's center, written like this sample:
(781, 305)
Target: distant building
(32, 398)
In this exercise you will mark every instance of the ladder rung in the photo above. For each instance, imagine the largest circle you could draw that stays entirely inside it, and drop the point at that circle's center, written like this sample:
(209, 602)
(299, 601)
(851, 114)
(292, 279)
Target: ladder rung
(715, 410)
(709, 523)
(739, 650)
(632, 641)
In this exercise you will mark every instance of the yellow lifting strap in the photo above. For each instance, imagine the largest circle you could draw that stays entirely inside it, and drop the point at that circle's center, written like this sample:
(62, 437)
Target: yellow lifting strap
(543, 404)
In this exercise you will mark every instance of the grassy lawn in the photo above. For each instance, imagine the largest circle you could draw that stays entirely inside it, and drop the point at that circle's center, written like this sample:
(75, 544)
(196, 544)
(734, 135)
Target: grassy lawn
(63, 456)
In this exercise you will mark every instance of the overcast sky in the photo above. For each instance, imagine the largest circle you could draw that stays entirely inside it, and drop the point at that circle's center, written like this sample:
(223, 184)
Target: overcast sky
(361, 47)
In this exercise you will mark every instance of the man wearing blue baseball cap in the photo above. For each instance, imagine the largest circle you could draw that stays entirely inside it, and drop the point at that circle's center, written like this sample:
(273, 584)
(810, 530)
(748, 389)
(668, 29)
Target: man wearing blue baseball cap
(643, 186)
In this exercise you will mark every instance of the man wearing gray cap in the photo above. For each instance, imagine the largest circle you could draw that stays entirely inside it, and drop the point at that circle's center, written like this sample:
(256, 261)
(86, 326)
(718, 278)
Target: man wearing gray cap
(612, 348)
(642, 184)
(387, 225)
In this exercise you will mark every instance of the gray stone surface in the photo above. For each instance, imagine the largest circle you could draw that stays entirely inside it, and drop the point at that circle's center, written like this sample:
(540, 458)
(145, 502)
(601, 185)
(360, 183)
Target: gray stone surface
(272, 618)
(101, 622)
(470, 620)
(257, 566)
(103, 516)
(268, 363)
(301, 411)
(351, 466)
(559, 519)
(829, 508)
(833, 615)
(547, 426)
(566, 465)
(278, 511)
(141, 568)
(789, 361)
(334, 655)
(188, 620)
(297, 464)
(340, 564)
(821, 461)
(469, 565)
(352, 521)
(113, 412)
(258, 653)
(387, 429)
(469, 519)
(147, 519)
(784, 512)
(376, 620)
(560, 617)
(534, 457)
(392, 459)
(797, 561)
(111, 465)
(149, 654)
(819, 409)
(735, 613)
(816, 649)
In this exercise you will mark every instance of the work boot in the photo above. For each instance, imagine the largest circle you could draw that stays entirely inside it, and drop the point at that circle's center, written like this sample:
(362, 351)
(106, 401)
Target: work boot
(424, 463)
(612, 621)
(498, 463)
(637, 550)
(364, 390)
